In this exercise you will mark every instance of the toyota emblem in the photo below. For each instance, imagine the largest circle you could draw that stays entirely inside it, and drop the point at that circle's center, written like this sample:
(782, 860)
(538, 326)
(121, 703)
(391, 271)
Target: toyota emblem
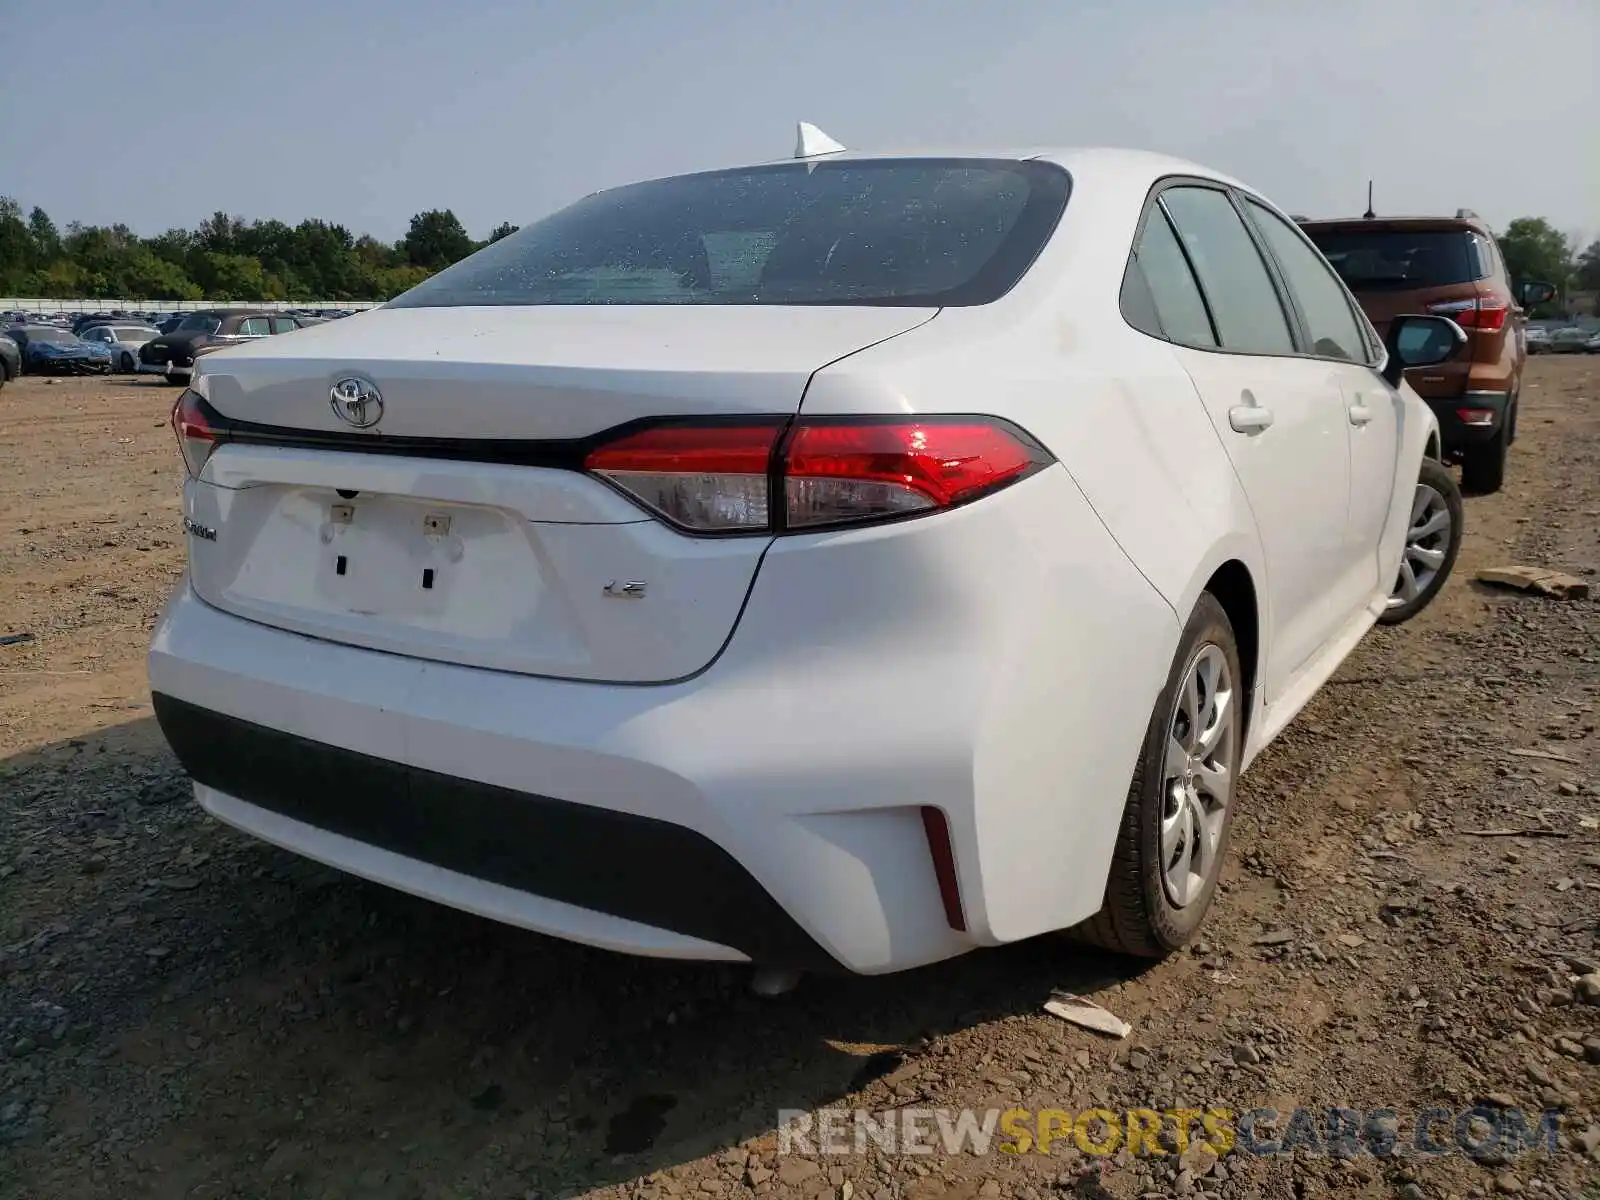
(356, 402)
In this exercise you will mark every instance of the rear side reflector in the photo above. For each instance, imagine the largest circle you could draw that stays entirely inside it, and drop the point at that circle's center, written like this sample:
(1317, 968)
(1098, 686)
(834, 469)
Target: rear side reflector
(721, 478)
(937, 826)
(1476, 416)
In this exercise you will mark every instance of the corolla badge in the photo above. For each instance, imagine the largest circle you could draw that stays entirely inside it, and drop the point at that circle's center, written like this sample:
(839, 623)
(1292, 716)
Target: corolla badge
(356, 402)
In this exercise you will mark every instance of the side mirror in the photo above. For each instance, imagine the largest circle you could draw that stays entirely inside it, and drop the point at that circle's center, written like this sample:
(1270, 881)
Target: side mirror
(1530, 294)
(1420, 341)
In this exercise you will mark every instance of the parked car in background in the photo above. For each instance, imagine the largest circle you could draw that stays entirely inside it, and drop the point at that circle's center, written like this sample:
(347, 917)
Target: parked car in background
(124, 342)
(1592, 346)
(51, 350)
(526, 592)
(10, 360)
(1450, 266)
(1573, 339)
(1538, 339)
(212, 329)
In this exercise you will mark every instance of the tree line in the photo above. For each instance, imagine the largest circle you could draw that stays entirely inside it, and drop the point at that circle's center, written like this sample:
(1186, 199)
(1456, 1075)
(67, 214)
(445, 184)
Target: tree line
(226, 258)
(229, 258)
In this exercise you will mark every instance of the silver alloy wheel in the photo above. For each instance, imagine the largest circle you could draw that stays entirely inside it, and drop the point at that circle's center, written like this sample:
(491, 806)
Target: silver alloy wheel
(1427, 541)
(1197, 775)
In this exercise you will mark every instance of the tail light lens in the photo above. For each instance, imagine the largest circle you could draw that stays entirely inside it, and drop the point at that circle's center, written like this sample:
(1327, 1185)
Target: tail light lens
(753, 478)
(708, 478)
(197, 439)
(1488, 313)
(861, 471)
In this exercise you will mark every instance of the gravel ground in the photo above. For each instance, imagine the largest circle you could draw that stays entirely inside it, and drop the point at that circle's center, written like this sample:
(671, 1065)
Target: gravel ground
(187, 1013)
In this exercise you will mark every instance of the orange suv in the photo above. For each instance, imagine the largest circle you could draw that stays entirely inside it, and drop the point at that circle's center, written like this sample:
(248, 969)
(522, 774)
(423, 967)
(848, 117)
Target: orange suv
(1451, 267)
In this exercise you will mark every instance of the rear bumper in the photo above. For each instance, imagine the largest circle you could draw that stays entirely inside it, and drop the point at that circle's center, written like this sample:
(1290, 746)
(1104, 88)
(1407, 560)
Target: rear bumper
(1454, 431)
(635, 869)
(997, 663)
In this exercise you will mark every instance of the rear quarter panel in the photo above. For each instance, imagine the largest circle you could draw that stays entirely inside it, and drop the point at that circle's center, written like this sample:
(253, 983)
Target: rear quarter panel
(1124, 419)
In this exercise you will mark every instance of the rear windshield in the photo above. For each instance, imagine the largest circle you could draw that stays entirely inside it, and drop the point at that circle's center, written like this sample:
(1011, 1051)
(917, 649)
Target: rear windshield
(1398, 260)
(910, 232)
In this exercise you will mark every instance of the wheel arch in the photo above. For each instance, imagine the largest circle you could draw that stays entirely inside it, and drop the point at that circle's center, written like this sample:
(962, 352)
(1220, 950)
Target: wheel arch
(1235, 589)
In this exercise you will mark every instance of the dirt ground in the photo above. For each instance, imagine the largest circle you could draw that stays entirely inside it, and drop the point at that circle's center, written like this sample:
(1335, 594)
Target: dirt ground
(187, 1013)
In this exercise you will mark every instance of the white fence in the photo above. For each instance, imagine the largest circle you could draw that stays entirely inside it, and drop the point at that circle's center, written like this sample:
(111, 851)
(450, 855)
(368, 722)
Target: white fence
(39, 305)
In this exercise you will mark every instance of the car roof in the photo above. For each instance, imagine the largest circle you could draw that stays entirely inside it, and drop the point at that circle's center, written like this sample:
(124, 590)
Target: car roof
(1420, 224)
(1084, 163)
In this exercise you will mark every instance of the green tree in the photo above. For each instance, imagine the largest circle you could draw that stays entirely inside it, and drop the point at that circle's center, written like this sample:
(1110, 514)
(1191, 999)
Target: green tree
(1535, 250)
(231, 276)
(16, 246)
(218, 233)
(436, 239)
(46, 239)
(148, 275)
(1586, 273)
(504, 230)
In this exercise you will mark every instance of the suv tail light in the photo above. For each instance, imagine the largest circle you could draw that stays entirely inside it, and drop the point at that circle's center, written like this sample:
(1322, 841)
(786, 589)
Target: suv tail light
(1486, 312)
(759, 478)
(197, 439)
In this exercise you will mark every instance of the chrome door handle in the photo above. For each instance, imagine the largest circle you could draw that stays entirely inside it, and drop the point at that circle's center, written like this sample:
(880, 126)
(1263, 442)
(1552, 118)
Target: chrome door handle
(1360, 414)
(1249, 418)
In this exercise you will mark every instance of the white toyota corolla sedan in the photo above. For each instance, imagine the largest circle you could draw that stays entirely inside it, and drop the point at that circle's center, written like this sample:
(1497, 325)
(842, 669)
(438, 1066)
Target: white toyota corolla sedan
(848, 561)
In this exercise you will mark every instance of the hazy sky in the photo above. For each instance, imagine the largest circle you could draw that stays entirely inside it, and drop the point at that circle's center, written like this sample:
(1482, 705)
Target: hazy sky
(366, 111)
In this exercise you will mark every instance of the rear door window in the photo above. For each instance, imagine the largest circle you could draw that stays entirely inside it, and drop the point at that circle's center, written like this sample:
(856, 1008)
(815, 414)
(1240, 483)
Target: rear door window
(1398, 260)
(254, 326)
(1170, 292)
(1243, 300)
(1330, 321)
(284, 325)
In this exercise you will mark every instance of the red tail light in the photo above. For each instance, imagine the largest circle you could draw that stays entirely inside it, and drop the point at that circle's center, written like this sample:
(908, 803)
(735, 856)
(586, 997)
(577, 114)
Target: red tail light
(708, 478)
(1488, 313)
(858, 471)
(739, 479)
(196, 438)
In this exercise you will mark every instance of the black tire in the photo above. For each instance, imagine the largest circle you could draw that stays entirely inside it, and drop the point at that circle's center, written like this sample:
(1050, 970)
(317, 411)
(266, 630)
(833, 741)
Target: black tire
(1138, 917)
(1483, 468)
(1434, 475)
(127, 364)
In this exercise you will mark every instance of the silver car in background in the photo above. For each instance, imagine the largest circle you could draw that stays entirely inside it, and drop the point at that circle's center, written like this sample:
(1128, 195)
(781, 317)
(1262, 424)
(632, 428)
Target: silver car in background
(123, 341)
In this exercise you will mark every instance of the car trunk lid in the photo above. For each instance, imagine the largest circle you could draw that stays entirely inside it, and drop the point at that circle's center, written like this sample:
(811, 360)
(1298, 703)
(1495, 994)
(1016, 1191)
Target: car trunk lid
(459, 526)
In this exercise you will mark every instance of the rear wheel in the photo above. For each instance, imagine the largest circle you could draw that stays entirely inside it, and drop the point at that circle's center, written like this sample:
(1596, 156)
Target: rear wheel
(127, 364)
(1433, 539)
(1175, 827)
(1483, 468)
